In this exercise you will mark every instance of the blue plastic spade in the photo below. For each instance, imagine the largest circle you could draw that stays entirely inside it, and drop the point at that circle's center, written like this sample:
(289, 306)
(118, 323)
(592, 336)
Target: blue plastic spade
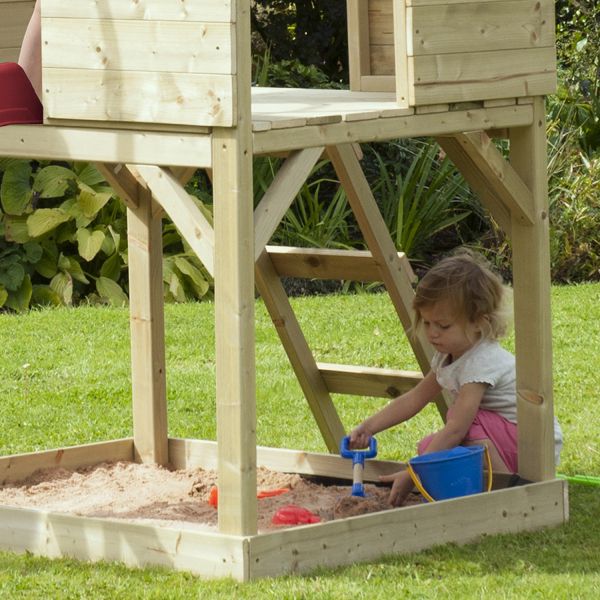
(358, 462)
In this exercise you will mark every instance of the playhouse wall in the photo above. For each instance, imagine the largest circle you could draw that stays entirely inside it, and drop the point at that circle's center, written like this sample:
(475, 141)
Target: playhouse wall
(444, 51)
(14, 16)
(152, 61)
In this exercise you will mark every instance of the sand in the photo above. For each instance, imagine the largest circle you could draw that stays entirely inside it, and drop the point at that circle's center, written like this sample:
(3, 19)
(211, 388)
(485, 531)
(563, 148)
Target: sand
(149, 493)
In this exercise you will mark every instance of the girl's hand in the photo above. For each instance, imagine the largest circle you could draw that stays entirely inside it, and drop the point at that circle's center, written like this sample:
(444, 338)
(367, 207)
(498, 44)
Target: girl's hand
(402, 484)
(359, 437)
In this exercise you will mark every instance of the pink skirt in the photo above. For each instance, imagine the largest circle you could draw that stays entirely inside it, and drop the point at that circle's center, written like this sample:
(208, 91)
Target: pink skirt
(489, 425)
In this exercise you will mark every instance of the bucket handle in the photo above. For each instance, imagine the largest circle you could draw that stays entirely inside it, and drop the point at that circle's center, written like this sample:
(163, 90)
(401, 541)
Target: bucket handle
(419, 485)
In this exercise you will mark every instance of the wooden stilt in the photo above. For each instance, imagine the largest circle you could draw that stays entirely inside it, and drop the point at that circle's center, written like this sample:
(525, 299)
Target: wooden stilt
(531, 275)
(147, 330)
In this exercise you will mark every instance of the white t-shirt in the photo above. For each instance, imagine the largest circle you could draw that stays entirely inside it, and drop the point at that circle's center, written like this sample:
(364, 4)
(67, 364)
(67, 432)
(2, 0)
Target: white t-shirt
(486, 362)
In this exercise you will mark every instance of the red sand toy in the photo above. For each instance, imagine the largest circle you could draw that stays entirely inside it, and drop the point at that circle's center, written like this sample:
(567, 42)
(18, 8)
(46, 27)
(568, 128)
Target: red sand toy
(19, 103)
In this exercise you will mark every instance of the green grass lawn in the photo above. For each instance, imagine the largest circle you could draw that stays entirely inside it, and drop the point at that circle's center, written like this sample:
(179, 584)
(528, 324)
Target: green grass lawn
(65, 380)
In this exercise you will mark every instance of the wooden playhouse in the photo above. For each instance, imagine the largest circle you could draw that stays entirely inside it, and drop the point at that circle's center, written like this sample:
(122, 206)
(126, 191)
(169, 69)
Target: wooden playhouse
(152, 90)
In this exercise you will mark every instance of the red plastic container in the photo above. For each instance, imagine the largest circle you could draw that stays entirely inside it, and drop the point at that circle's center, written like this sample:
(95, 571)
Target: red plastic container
(19, 103)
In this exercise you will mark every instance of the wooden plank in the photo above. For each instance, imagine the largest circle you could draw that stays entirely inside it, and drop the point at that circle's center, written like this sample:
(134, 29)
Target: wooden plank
(299, 354)
(20, 466)
(281, 193)
(480, 27)
(113, 45)
(367, 381)
(477, 182)
(104, 145)
(193, 454)
(531, 282)
(502, 180)
(158, 10)
(408, 529)
(14, 17)
(183, 211)
(266, 142)
(358, 42)
(402, 72)
(56, 535)
(396, 279)
(325, 263)
(378, 83)
(148, 370)
(179, 98)
(482, 75)
(122, 181)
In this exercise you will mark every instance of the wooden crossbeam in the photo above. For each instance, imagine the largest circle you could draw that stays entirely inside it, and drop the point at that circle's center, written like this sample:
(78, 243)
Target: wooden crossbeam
(367, 381)
(325, 263)
(500, 178)
(122, 182)
(281, 193)
(299, 354)
(379, 241)
(180, 207)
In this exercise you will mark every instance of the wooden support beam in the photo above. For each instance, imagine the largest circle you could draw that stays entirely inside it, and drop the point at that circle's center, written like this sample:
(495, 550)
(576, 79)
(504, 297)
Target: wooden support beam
(281, 193)
(122, 182)
(395, 276)
(531, 278)
(148, 377)
(182, 209)
(325, 263)
(299, 354)
(501, 179)
(367, 381)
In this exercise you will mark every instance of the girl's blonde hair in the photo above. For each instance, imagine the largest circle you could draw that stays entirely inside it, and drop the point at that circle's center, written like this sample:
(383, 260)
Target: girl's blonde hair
(474, 292)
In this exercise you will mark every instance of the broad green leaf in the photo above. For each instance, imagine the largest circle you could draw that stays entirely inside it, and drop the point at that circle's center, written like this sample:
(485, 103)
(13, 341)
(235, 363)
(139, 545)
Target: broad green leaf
(111, 291)
(74, 269)
(44, 295)
(16, 192)
(33, 251)
(89, 175)
(111, 267)
(62, 284)
(3, 295)
(91, 202)
(15, 229)
(19, 300)
(53, 181)
(43, 220)
(198, 280)
(89, 243)
(47, 266)
(11, 275)
(177, 289)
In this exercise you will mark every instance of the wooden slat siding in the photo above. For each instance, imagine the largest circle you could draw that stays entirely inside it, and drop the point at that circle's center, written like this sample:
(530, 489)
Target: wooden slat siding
(148, 370)
(395, 277)
(381, 37)
(187, 217)
(408, 529)
(105, 145)
(155, 10)
(182, 98)
(44, 533)
(358, 41)
(483, 75)
(437, 2)
(277, 199)
(115, 45)
(93, 71)
(301, 358)
(531, 283)
(14, 17)
(368, 381)
(512, 24)
(20, 466)
(324, 263)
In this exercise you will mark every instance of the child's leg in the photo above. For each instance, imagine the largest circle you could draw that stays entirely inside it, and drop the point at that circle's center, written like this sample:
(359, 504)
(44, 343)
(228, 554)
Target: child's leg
(30, 57)
(498, 465)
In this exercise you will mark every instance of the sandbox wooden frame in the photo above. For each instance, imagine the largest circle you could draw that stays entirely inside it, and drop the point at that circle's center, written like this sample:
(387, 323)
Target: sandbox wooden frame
(148, 163)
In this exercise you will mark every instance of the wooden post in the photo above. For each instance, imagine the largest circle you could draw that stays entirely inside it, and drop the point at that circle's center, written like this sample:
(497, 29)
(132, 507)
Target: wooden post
(234, 302)
(531, 276)
(148, 379)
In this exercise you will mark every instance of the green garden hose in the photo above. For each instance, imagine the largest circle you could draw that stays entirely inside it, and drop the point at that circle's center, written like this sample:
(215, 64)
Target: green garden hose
(584, 479)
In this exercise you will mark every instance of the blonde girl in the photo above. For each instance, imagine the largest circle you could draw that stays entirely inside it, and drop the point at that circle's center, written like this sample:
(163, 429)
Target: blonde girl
(461, 305)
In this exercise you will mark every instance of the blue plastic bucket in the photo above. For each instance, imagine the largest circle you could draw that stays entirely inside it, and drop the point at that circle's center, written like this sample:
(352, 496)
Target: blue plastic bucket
(449, 473)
